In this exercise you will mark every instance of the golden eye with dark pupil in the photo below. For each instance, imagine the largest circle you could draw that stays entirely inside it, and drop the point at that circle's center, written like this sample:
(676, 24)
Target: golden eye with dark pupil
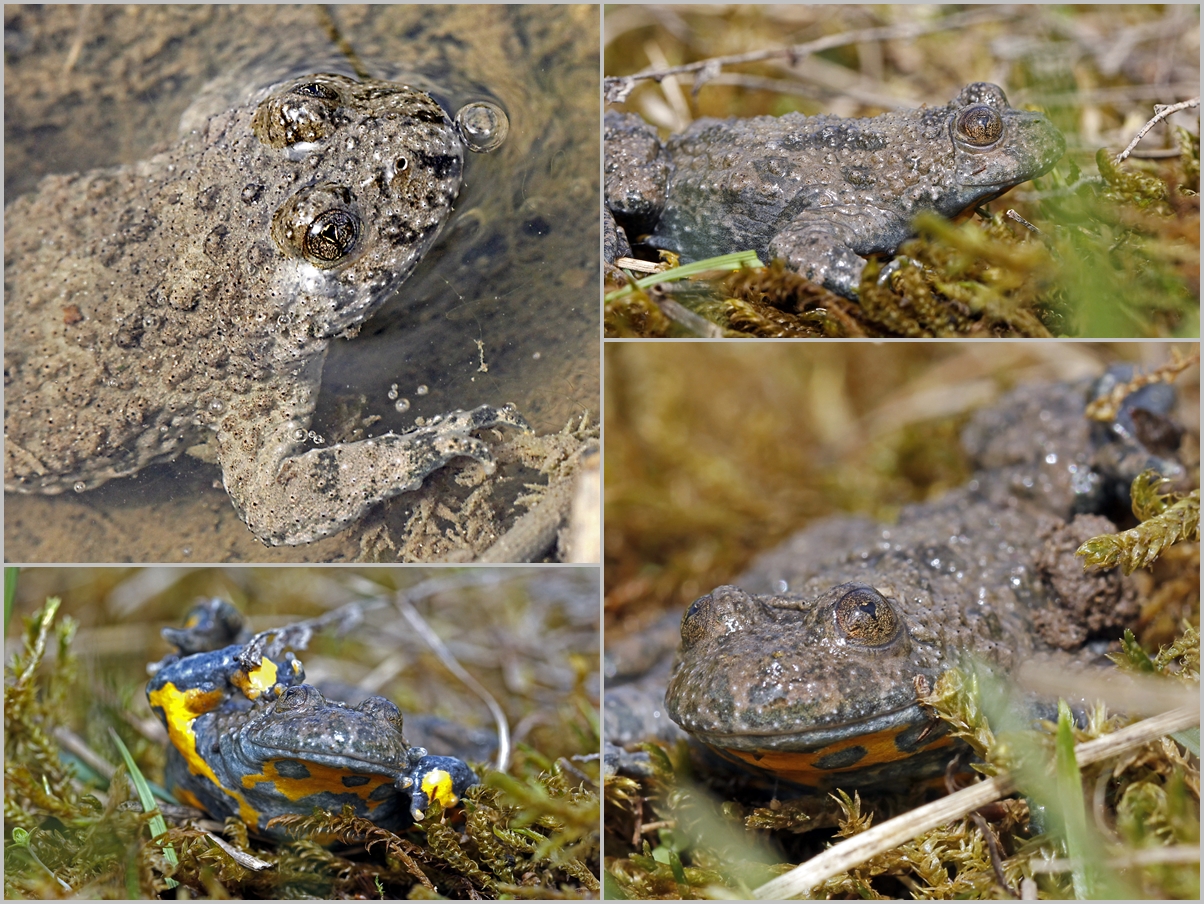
(331, 236)
(694, 623)
(866, 617)
(980, 125)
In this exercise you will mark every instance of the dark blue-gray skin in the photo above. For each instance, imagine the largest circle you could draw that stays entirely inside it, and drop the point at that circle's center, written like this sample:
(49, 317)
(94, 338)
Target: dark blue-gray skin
(819, 192)
(250, 739)
(806, 670)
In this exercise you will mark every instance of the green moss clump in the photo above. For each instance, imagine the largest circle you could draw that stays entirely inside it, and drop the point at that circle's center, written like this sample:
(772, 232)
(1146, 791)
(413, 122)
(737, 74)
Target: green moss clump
(1166, 519)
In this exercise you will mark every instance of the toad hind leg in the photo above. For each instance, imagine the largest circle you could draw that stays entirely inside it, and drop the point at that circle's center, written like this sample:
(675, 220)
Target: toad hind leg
(288, 497)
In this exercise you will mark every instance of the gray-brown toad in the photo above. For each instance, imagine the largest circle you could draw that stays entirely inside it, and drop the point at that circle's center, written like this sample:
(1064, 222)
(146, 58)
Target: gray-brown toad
(819, 192)
(196, 292)
(807, 670)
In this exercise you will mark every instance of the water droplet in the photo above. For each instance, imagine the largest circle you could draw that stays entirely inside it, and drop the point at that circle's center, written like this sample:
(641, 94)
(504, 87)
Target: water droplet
(537, 355)
(80, 486)
(483, 126)
(299, 434)
(393, 393)
(781, 587)
(402, 404)
(422, 390)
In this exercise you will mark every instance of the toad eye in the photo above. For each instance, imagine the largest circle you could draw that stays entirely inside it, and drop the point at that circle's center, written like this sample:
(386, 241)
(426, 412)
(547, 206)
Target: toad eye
(300, 697)
(316, 89)
(383, 709)
(320, 223)
(980, 125)
(697, 620)
(331, 237)
(307, 112)
(867, 618)
(720, 612)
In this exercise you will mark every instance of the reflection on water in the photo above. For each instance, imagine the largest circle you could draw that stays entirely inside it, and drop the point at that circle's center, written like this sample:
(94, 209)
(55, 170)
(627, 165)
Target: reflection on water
(504, 309)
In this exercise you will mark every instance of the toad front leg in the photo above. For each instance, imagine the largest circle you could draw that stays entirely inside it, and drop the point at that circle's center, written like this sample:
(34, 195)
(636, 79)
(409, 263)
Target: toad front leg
(288, 497)
(828, 245)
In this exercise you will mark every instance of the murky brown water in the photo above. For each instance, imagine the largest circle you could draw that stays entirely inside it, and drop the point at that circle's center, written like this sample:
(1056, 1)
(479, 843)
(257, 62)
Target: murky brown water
(503, 310)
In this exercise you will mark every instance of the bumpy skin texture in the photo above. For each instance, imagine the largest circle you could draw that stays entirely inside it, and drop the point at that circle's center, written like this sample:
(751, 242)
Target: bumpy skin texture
(195, 293)
(818, 192)
(250, 739)
(807, 670)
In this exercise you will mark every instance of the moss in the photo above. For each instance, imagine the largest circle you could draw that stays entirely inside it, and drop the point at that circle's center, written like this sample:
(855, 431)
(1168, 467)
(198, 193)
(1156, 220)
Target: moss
(1166, 519)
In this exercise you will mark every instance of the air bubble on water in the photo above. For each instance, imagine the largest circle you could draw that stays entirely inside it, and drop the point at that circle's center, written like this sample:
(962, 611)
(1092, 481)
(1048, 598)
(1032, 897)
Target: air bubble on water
(422, 390)
(483, 126)
(781, 587)
(537, 355)
(316, 438)
(393, 393)
(402, 405)
(299, 434)
(80, 486)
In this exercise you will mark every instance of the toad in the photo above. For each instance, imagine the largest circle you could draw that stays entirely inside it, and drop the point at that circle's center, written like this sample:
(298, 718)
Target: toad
(250, 739)
(819, 192)
(193, 296)
(807, 669)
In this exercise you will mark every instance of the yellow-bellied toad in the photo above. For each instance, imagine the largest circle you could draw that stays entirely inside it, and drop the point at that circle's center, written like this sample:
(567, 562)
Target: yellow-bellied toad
(195, 293)
(250, 739)
(806, 671)
(819, 192)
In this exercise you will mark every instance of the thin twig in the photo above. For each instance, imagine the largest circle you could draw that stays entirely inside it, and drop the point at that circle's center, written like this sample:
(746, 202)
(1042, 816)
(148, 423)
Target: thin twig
(617, 88)
(402, 601)
(1161, 112)
(890, 834)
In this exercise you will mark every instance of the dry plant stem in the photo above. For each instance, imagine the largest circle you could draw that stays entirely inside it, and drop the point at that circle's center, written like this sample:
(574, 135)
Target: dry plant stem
(242, 858)
(890, 834)
(617, 88)
(73, 743)
(1181, 853)
(1161, 112)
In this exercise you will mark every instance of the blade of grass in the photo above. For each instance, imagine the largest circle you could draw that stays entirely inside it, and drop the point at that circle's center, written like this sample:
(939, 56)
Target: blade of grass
(10, 591)
(735, 261)
(157, 824)
(1068, 787)
(1189, 738)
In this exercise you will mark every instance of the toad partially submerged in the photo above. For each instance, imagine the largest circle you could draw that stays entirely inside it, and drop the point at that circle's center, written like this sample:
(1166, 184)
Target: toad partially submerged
(808, 671)
(250, 739)
(819, 192)
(194, 294)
